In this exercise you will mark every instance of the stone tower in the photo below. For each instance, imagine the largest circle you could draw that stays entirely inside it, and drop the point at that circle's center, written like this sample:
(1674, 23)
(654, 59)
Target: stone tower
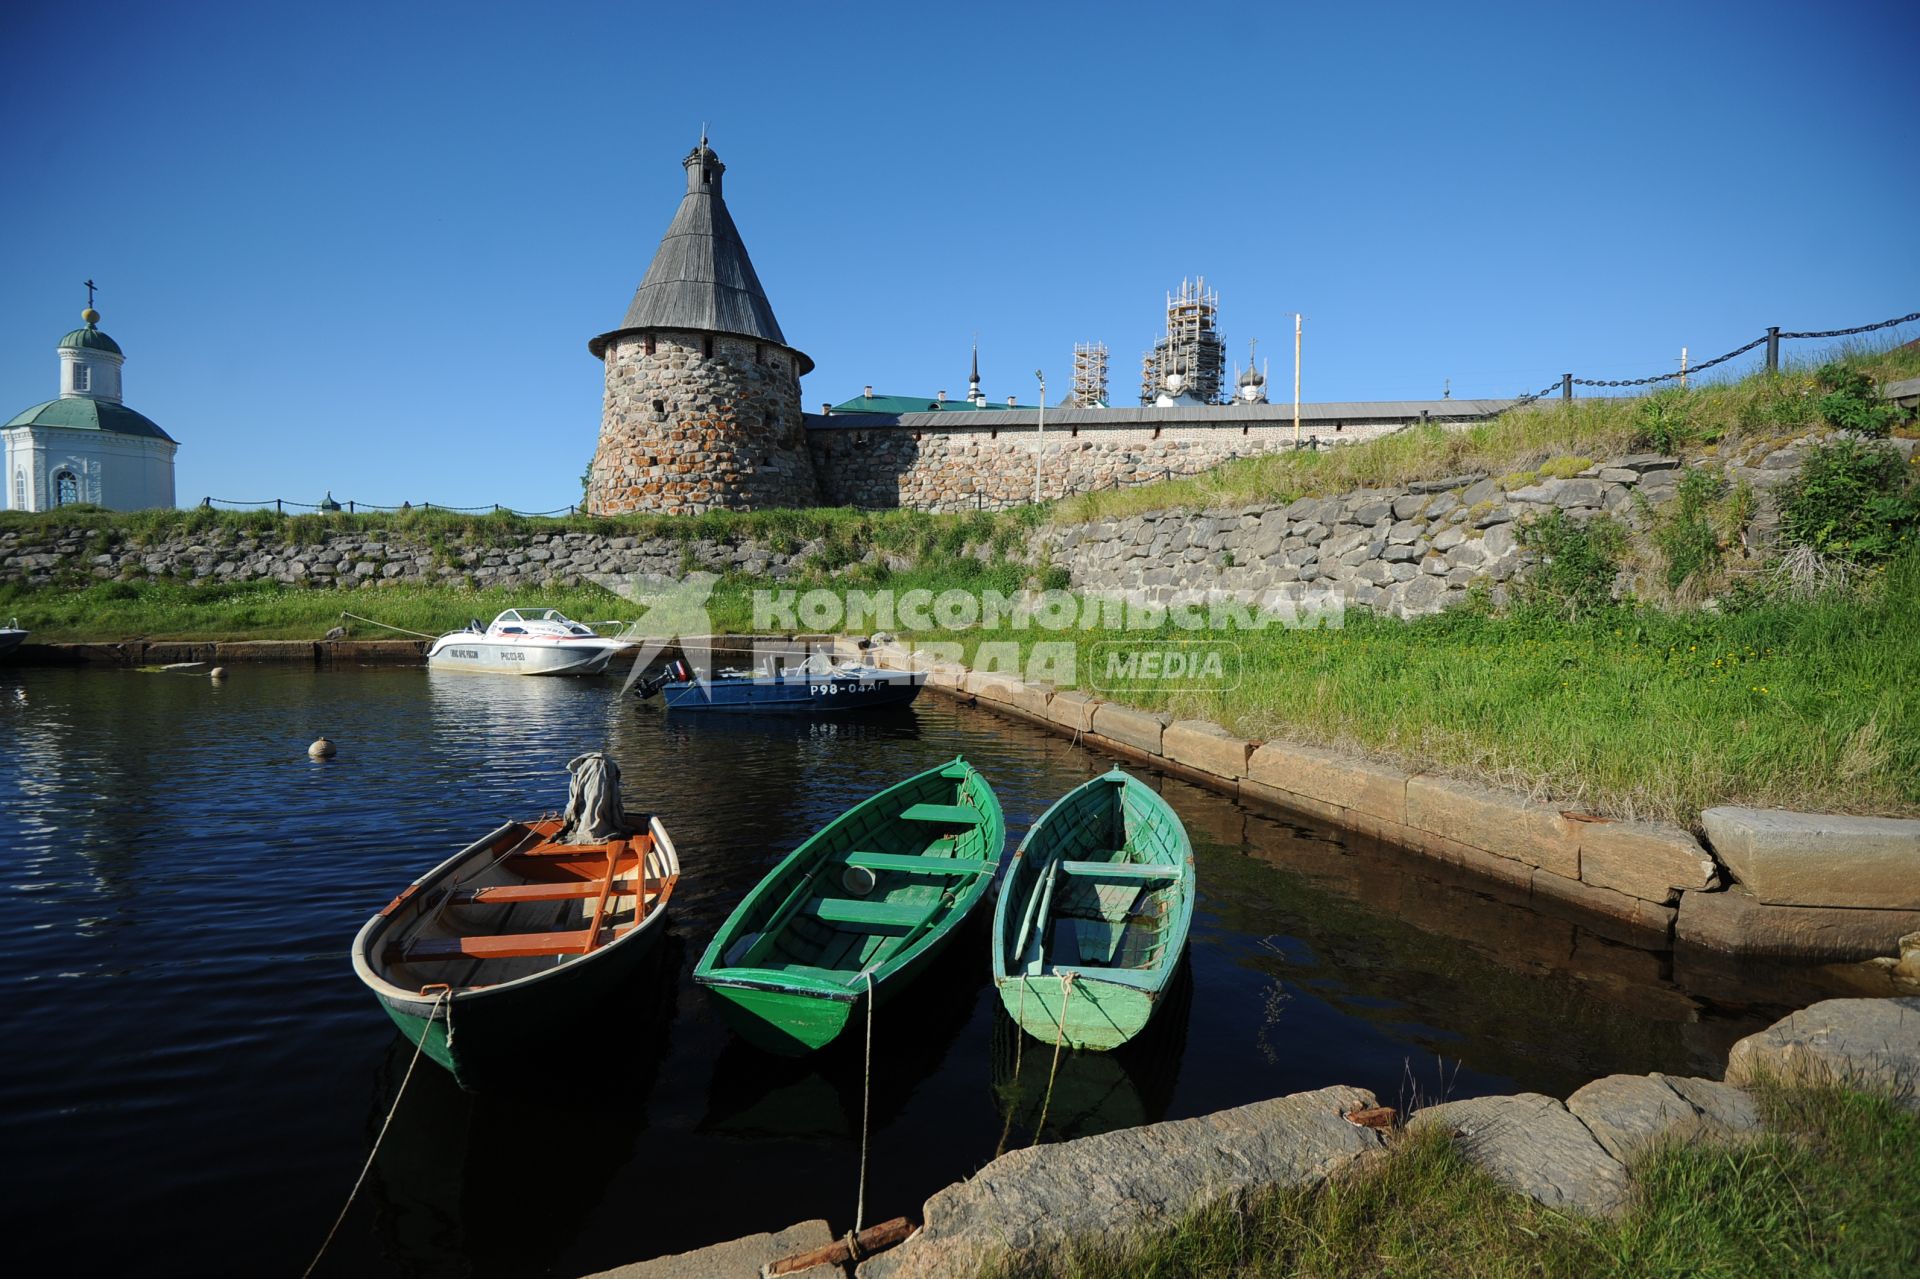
(702, 408)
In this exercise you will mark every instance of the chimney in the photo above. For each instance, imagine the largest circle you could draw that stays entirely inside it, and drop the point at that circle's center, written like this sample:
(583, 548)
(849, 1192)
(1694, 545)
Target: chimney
(869, 392)
(942, 398)
(826, 410)
(1009, 401)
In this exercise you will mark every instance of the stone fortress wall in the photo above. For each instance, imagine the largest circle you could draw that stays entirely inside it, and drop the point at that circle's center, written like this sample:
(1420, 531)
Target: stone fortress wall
(955, 462)
(697, 422)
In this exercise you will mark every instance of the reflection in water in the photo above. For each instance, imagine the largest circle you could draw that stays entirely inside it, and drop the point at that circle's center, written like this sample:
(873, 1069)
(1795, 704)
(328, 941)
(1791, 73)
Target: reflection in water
(499, 1182)
(1089, 1092)
(182, 884)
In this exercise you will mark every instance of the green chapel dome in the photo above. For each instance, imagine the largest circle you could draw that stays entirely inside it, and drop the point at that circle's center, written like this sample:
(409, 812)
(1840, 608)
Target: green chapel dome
(90, 338)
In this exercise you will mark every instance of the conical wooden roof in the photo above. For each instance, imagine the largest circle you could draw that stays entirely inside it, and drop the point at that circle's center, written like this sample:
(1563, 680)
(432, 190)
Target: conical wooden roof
(701, 277)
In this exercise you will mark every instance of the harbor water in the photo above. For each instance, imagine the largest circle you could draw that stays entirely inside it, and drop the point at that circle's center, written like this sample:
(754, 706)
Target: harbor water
(193, 1076)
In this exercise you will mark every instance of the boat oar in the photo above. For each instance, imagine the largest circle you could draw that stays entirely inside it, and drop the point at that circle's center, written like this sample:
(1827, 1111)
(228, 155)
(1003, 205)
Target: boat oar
(614, 849)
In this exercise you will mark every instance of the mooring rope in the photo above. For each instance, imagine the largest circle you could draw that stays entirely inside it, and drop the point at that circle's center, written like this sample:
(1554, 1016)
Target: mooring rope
(866, 1107)
(1019, 1048)
(1066, 997)
(365, 1168)
(403, 630)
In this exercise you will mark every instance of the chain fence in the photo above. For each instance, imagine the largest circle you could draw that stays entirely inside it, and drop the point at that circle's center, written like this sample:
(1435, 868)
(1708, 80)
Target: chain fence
(1771, 339)
(330, 506)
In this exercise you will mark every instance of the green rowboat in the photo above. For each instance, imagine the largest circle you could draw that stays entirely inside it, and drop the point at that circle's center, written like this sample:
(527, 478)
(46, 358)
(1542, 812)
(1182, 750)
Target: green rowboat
(1092, 920)
(869, 899)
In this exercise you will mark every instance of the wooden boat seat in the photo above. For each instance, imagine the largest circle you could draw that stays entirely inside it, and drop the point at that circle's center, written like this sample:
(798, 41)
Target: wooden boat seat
(941, 814)
(842, 910)
(911, 865)
(504, 946)
(1121, 870)
(557, 892)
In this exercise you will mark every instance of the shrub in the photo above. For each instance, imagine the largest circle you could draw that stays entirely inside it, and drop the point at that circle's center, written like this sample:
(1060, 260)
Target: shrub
(1852, 401)
(1576, 563)
(1662, 422)
(1687, 536)
(1852, 499)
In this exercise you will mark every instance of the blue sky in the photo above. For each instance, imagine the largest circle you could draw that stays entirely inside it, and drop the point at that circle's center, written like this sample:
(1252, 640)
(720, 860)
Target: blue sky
(362, 247)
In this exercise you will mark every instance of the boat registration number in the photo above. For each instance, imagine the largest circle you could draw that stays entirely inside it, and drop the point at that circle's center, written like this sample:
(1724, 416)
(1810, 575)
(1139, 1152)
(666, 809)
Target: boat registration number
(834, 690)
(471, 653)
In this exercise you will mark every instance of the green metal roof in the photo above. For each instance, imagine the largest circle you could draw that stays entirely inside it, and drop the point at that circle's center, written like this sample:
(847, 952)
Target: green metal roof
(90, 338)
(82, 414)
(917, 404)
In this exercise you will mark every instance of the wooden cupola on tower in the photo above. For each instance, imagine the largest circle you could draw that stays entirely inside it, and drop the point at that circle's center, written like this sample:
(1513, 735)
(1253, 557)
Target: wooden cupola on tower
(702, 407)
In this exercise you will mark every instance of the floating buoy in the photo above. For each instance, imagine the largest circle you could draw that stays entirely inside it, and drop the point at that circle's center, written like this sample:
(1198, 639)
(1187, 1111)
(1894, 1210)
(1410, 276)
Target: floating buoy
(322, 748)
(218, 672)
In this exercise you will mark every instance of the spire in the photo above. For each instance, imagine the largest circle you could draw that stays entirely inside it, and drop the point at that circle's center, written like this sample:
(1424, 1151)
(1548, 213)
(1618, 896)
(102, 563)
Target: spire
(974, 394)
(701, 277)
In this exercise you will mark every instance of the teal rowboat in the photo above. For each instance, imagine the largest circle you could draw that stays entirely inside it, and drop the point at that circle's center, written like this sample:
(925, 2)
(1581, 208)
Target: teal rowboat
(1093, 918)
(870, 898)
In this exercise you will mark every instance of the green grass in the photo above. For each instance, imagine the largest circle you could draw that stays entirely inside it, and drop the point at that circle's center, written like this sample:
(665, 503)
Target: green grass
(1633, 711)
(1833, 1191)
(268, 610)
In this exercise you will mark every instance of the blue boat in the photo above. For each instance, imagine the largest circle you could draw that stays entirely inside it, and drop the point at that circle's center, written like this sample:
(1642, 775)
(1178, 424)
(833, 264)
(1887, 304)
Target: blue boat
(813, 689)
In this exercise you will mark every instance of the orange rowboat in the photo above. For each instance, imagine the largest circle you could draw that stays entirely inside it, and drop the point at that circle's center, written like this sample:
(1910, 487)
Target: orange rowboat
(516, 937)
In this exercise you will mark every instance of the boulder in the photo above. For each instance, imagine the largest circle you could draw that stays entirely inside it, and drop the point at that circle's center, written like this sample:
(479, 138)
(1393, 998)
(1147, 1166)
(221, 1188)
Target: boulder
(1104, 1187)
(1732, 1111)
(1819, 859)
(1535, 1146)
(1871, 1043)
(1632, 1114)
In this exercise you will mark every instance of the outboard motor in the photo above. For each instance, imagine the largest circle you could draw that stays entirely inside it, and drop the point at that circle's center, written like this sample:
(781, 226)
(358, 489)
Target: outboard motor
(676, 671)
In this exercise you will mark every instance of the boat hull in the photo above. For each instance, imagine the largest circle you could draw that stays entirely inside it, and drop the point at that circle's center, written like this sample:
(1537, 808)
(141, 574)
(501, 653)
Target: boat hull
(473, 1021)
(10, 639)
(810, 695)
(793, 963)
(1093, 915)
(477, 654)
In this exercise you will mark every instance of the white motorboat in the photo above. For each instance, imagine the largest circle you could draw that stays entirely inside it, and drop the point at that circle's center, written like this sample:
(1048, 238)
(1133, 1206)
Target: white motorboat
(10, 637)
(526, 641)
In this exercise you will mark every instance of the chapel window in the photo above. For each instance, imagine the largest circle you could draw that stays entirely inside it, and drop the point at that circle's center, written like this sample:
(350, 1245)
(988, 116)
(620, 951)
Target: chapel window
(66, 489)
(82, 377)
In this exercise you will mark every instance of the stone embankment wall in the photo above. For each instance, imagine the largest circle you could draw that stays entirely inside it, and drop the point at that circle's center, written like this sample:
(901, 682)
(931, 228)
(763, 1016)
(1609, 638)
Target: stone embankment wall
(1577, 1156)
(1807, 886)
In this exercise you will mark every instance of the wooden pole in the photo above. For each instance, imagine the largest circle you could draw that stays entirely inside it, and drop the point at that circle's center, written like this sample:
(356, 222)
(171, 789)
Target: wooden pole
(1296, 379)
(871, 1240)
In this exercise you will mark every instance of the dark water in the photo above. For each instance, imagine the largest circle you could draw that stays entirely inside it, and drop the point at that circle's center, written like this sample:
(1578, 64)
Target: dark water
(192, 1076)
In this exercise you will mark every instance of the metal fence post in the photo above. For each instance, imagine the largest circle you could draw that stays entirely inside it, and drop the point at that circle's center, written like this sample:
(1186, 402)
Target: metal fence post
(1773, 348)
(1566, 386)
(349, 506)
(277, 508)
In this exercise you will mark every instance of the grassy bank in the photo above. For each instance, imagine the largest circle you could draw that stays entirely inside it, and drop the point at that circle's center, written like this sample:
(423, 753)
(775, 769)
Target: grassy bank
(1834, 1192)
(1713, 418)
(1632, 711)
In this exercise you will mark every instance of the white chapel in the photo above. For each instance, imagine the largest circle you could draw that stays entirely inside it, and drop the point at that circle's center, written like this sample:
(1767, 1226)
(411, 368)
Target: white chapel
(87, 446)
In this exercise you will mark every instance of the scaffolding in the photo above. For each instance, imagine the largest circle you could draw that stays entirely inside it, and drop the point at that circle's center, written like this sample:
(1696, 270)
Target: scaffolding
(1191, 347)
(1090, 374)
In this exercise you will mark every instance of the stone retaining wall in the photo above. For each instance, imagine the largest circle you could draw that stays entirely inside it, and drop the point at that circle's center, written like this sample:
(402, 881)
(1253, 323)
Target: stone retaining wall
(1655, 878)
(51, 555)
(1406, 550)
